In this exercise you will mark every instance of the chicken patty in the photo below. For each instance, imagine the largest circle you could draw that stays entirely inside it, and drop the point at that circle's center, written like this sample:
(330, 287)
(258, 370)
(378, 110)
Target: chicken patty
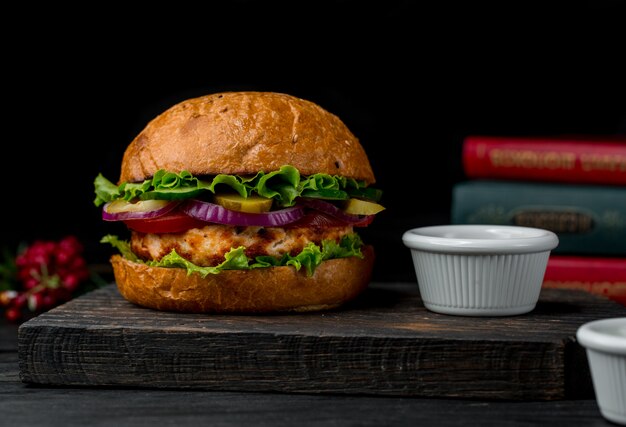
(207, 246)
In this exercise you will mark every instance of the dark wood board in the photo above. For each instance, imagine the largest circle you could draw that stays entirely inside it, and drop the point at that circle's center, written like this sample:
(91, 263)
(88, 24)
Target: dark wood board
(39, 405)
(33, 405)
(383, 343)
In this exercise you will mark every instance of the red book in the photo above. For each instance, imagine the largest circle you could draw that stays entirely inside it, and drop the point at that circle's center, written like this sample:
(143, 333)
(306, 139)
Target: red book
(602, 276)
(583, 160)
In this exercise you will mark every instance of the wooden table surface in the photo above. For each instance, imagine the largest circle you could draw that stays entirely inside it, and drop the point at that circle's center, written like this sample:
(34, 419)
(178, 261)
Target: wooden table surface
(31, 405)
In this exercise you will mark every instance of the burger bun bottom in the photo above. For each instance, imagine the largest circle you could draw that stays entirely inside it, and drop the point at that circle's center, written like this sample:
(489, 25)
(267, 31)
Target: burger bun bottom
(259, 290)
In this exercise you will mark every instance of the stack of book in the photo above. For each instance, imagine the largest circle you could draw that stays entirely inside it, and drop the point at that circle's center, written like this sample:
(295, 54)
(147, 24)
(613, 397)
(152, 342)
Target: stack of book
(573, 186)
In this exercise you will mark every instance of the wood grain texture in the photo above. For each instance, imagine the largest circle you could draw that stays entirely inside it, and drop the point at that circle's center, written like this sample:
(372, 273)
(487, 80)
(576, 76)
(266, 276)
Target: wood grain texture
(27, 405)
(33, 405)
(384, 343)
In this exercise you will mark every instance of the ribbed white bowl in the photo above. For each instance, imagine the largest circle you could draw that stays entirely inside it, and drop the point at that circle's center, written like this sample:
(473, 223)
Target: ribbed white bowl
(605, 343)
(480, 270)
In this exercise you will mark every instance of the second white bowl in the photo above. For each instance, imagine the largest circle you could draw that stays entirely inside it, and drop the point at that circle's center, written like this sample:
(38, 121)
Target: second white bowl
(605, 344)
(480, 270)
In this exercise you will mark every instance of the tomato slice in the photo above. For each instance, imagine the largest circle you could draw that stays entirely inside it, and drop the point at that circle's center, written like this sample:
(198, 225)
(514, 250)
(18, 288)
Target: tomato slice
(173, 222)
(366, 221)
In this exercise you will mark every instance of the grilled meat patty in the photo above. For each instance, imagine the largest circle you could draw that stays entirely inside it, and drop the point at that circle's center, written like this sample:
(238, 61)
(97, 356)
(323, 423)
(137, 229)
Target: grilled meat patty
(206, 246)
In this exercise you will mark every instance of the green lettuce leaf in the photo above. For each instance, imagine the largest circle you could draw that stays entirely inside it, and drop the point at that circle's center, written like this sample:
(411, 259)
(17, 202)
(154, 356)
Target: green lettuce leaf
(236, 259)
(350, 245)
(122, 246)
(283, 186)
(105, 190)
(310, 257)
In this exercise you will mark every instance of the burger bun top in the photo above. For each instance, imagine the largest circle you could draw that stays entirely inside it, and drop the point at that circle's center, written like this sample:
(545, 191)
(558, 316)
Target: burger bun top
(243, 133)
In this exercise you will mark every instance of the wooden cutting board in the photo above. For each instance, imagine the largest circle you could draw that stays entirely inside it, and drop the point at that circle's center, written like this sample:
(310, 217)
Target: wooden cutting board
(384, 343)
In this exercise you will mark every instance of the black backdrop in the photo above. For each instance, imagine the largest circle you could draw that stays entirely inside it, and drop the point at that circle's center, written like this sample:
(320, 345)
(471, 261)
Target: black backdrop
(410, 79)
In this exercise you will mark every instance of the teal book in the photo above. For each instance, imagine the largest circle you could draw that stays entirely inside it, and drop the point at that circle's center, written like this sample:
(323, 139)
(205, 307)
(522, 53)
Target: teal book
(588, 219)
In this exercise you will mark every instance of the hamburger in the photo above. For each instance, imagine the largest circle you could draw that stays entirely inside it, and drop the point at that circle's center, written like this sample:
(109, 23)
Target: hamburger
(242, 202)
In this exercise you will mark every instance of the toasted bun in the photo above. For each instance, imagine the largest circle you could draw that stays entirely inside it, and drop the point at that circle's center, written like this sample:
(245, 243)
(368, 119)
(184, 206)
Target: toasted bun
(243, 133)
(260, 290)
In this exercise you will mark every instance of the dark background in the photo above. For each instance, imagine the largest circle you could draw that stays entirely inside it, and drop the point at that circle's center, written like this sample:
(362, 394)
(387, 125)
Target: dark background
(410, 79)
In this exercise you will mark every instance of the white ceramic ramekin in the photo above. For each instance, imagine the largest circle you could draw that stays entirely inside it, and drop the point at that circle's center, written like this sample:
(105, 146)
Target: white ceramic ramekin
(605, 344)
(480, 270)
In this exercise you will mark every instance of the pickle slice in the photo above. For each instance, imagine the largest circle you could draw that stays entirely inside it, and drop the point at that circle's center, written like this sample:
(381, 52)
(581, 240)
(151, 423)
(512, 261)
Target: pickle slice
(251, 204)
(120, 206)
(362, 207)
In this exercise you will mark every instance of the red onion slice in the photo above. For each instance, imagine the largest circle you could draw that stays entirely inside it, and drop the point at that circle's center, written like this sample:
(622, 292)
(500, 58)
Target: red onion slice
(211, 212)
(120, 210)
(332, 210)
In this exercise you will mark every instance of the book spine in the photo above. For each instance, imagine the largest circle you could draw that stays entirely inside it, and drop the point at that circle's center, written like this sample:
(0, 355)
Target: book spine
(588, 219)
(566, 160)
(585, 269)
(601, 276)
